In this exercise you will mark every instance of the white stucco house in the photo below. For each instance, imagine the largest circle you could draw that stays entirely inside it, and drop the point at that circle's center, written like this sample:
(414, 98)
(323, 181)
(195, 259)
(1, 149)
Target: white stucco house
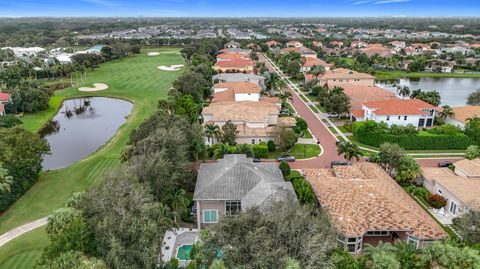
(397, 111)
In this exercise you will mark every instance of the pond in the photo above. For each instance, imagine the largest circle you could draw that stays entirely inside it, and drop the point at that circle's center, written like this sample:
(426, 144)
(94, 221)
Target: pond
(454, 91)
(81, 127)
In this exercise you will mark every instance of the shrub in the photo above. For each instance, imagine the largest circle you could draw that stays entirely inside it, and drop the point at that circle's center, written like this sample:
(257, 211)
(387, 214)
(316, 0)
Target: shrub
(374, 134)
(9, 121)
(304, 191)
(271, 146)
(419, 192)
(186, 217)
(285, 168)
(472, 152)
(301, 124)
(260, 150)
(436, 200)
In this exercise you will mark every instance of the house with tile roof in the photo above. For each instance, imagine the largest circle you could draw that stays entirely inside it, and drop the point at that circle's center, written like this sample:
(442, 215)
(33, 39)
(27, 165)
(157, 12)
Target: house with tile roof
(303, 51)
(367, 206)
(359, 94)
(461, 187)
(294, 44)
(462, 114)
(231, 56)
(239, 77)
(232, 45)
(397, 111)
(4, 98)
(235, 66)
(234, 184)
(310, 62)
(273, 43)
(340, 76)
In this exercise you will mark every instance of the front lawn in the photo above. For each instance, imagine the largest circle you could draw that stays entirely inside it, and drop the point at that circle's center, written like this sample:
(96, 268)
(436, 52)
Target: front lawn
(24, 251)
(300, 151)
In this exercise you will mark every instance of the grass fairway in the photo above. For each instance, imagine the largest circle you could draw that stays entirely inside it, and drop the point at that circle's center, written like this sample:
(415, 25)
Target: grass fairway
(136, 79)
(24, 251)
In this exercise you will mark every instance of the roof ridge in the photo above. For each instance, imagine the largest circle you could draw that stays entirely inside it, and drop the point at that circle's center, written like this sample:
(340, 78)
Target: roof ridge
(216, 179)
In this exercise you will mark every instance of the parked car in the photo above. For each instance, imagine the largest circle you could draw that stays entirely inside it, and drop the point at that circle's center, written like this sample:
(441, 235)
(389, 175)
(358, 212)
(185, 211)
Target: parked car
(286, 158)
(444, 164)
(336, 163)
(256, 160)
(333, 115)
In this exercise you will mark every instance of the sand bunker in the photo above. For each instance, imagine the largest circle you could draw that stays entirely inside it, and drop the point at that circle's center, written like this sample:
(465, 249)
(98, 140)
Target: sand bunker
(96, 87)
(153, 53)
(174, 67)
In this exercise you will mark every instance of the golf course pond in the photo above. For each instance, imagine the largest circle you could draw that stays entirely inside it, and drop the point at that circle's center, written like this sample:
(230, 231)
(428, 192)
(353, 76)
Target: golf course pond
(453, 91)
(80, 127)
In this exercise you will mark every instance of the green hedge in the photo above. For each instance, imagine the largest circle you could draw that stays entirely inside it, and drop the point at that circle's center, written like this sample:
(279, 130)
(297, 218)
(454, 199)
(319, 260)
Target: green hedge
(411, 142)
(260, 150)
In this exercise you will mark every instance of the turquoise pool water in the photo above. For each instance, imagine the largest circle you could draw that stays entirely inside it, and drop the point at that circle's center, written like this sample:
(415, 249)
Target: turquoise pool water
(183, 252)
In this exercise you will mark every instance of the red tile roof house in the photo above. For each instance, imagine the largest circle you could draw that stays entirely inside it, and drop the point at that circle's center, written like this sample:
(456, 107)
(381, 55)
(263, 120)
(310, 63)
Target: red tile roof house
(367, 206)
(273, 43)
(231, 56)
(311, 62)
(397, 111)
(4, 98)
(305, 52)
(235, 65)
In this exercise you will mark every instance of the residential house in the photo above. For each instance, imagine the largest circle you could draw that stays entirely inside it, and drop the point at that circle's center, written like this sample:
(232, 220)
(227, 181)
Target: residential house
(4, 98)
(377, 49)
(303, 51)
(235, 65)
(367, 206)
(317, 44)
(236, 50)
(239, 77)
(234, 184)
(461, 187)
(310, 62)
(359, 44)
(336, 44)
(231, 56)
(273, 43)
(294, 44)
(398, 45)
(359, 94)
(397, 111)
(440, 66)
(341, 76)
(462, 114)
(232, 45)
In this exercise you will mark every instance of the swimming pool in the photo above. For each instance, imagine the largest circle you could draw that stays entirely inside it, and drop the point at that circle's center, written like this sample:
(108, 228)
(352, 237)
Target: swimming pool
(183, 252)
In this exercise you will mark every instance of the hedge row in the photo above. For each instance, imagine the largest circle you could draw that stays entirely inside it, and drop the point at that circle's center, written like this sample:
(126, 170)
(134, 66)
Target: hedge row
(412, 142)
(260, 150)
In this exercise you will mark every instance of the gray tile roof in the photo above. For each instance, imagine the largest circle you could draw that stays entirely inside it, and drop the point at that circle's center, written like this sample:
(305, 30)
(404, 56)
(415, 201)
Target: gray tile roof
(237, 77)
(236, 177)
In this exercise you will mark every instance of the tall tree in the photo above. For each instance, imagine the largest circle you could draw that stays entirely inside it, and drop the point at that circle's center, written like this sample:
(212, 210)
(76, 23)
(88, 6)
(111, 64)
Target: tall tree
(349, 151)
(446, 112)
(212, 132)
(473, 98)
(404, 91)
(229, 133)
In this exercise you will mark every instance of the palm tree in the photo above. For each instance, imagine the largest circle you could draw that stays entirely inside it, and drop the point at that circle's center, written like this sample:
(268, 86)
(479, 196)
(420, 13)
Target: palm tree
(349, 151)
(212, 131)
(222, 150)
(381, 248)
(404, 91)
(280, 84)
(446, 112)
(284, 96)
(176, 201)
(415, 93)
(167, 218)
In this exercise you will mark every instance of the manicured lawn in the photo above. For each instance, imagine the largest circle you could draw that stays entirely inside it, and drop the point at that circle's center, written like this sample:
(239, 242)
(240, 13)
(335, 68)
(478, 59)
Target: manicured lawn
(24, 251)
(307, 134)
(381, 74)
(136, 79)
(300, 151)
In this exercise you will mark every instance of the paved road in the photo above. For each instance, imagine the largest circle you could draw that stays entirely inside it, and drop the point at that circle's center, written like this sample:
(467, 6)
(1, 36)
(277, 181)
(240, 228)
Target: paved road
(318, 129)
(25, 228)
(326, 138)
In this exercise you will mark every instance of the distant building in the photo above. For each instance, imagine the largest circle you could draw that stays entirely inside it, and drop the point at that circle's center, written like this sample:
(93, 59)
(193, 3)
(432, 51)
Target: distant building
(340, 76)
(294, 44)
(239, 77)
(232, 45)
(310, 62)
(4, 98)
(235, 65)
(462, 114)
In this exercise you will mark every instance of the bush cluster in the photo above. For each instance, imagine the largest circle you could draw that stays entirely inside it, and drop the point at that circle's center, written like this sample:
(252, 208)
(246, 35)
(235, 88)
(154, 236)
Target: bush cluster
(436, 200)
(374, 134)
(260, 150)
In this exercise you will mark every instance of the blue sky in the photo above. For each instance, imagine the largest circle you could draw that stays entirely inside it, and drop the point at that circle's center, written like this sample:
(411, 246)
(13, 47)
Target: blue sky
(239, 8)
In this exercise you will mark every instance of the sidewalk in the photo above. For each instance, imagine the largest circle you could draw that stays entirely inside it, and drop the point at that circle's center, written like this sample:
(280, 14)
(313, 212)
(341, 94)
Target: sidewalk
(16, 232)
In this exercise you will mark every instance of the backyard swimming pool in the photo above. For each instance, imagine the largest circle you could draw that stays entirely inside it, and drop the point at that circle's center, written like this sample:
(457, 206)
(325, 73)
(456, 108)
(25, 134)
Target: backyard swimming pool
(183, 252)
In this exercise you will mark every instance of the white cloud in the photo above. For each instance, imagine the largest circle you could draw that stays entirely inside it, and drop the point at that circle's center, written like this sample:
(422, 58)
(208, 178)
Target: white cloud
(391, 1)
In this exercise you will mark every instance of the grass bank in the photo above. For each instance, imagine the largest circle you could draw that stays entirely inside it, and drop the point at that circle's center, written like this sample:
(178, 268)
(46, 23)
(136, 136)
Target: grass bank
(136, 79)
(382, 74)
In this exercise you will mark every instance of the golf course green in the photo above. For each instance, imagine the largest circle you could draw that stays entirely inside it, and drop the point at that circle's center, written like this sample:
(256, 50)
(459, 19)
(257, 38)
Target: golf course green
(136, 79)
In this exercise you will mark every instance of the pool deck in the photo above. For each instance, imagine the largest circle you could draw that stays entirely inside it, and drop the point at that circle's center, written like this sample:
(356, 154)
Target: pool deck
(173, 239)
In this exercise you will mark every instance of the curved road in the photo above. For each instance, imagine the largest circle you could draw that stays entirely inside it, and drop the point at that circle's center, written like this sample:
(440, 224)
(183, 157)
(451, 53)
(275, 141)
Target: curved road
(323, 134)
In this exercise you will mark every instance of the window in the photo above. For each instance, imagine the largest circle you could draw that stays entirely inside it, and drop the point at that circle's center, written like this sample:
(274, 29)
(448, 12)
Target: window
(388, 117)
(439, 191)
(399, 117)
(210, 216)
(412, 241)
(232, 207)
(453, 208)
(253, 141)
(405, 118)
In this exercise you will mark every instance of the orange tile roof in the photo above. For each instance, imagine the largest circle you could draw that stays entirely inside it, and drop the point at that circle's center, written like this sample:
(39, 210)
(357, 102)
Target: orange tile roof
(399, 107)
(357, 113)
(362, 197)
(235, 63)
(310, 62)
(4, 97)
(470, 167)
(272, 43)
(301, 50)
(465, 189)
(239, 87)
(246, 111)
(465, 112)
(359, 94)
(343, 73)
(230, 56)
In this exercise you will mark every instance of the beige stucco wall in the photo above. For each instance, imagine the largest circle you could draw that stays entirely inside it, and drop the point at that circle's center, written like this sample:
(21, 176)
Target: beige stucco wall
(209, 205)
